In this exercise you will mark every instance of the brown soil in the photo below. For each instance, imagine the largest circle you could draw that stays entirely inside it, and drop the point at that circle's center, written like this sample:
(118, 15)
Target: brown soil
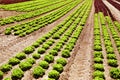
(79, 66)
(114, 11)
(9, 45)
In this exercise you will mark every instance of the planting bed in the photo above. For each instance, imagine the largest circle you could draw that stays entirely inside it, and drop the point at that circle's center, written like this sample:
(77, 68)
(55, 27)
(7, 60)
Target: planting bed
(60, 40)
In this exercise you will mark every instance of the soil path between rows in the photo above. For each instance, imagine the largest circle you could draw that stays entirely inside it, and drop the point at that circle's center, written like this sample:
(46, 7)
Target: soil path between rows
(10, 45)
(80, 66)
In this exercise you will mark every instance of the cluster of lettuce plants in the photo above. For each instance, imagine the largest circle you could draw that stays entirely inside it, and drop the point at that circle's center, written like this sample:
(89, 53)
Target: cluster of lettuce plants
(30, 6)
(69, 31)
(114, 72)
(98, 66)
(29, 27)
(73, 33)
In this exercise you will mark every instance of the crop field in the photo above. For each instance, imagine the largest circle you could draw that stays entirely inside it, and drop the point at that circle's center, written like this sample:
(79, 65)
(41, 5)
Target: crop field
(60, 40)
